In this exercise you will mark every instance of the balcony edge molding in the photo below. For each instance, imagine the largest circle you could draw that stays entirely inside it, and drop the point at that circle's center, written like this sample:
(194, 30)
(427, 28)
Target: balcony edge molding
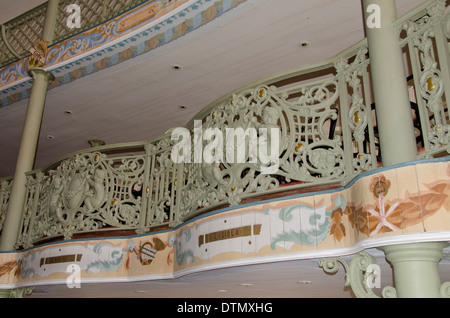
(68, 60)
(407, 203)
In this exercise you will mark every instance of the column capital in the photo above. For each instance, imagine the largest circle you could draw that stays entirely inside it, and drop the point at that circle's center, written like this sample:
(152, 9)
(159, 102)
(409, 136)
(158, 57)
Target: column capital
(362, 275)
(415, 252)
(34, 72)
(416, 269)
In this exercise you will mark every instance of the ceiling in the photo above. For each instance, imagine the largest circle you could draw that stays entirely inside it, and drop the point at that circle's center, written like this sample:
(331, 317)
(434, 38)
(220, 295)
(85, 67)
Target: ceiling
(139, 99)
(9, 9)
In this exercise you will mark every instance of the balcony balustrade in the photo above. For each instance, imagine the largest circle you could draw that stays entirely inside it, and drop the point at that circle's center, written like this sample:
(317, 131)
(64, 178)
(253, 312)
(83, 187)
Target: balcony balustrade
(325, 118)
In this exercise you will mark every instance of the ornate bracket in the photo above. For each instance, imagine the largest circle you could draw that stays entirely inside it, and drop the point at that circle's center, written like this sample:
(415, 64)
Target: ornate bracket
(445, 290)
(38, 54)
(16, 293)
(362, 275)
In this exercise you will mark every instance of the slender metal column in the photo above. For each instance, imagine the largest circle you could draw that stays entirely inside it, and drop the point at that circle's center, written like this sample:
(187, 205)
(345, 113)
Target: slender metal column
(415, 267)
(30, 134)
(50, 21)
(25, 159)
(394, 117)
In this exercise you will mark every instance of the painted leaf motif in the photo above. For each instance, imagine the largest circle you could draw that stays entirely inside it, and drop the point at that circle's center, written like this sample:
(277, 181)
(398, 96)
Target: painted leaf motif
(337, 228)
(411, 213)
(430, 203)
(349, 211)
(443, 189)
(7, 267)
(396, 217)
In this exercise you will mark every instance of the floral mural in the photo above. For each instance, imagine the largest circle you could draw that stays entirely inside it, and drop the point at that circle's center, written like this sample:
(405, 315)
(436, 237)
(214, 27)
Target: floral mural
(412, 199)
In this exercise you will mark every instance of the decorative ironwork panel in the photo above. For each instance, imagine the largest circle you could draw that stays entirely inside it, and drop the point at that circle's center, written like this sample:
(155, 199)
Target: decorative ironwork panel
(5, 191)
(307, 150)
(162, 183)
(426, 40)
(357, 111)
(87, 192)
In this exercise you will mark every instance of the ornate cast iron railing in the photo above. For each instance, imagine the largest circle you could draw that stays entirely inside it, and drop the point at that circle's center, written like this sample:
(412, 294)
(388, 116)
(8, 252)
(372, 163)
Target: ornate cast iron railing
(326, 136)
(424, 38)
(20, 34)
(86, 192)
(5, 190)
(326, 119)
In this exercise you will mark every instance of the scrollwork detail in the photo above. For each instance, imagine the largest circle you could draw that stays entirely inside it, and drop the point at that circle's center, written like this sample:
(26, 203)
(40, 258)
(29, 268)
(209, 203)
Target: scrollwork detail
(84, 193)
(306, 153)
(421, 36)
(359, 274)
(445, 290)
(20, 292)
(359, 113)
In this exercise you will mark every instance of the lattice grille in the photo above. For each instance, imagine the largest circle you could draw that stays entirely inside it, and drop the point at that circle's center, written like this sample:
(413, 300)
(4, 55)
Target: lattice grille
(22, 32)
(5, 190)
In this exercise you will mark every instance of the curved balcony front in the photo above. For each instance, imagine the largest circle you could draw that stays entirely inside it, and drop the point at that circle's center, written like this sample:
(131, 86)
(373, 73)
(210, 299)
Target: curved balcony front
(288, 167)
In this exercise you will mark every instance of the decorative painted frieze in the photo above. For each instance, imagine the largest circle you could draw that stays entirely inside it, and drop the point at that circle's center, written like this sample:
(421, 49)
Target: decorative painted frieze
(405, 203)
(133, 33)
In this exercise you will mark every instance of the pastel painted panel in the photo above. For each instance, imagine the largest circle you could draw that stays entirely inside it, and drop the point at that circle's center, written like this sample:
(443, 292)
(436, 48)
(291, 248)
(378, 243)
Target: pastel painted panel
(262, 236)
(10, 264)
(247, 236)
(235, 222)
(385, 204)
(434, 193)
(217, 240)
(357, 205)
(309, 215)
(276, 217)
(291, 215)
(323, 210)
(185, 245)
(383, 200)
(408, 192)
(369, 216)
(342, 220)
(91, 258)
